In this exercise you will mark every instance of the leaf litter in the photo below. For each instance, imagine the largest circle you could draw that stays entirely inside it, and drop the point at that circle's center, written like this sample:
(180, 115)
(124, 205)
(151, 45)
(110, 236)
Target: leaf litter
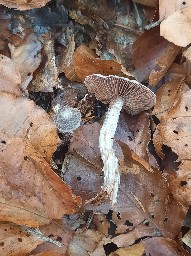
(51, 180)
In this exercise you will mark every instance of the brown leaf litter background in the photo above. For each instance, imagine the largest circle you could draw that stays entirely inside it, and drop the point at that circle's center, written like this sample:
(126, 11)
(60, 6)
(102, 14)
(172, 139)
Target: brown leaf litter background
(50, 201)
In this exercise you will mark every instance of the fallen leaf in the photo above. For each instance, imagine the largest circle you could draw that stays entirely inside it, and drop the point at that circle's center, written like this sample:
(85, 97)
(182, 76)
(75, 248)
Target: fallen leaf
(10, 78)
(46, 75)
(87, 63)
(168, 8)
(27, 57)
(31, 193)
(85, 143)
(14, 242)
(57, 232)
(66, 61)
(167, 96)
(152, 56)
(187, 54)
(173, 130)
(134, 250)
(158, 246)
(84, 242)
(24, 4)
(180, 22)
(21, 117)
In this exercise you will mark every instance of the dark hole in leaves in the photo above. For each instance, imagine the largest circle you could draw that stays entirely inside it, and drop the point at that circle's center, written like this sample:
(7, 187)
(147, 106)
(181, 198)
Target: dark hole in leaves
(142, 238)
(3, 141)
(51, 235)
(155, 119)
(146, 223)
(20, 239)
(25, 158)
(183, 183)
(5, 229)
(184, 3)
(2, 243)
(152, 216)
(186, 108)
(152, 194)
(175, 132)
(165, 219)
(79, 178)
(130, 138)
(169, 161)
(169, 90)
(186, 145)
(110, 247)
(119, 215)
(128, 223)
(109, 215)
(29, 74)
(59, 239)
(31, 124)
(112, 228)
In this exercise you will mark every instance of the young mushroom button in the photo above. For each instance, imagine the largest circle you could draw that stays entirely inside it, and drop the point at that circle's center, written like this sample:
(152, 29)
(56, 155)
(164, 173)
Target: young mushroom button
(120, 93)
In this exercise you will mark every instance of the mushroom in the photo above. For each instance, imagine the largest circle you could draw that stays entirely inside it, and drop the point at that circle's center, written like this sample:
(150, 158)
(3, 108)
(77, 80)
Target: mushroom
(67, 119)
(120, 93)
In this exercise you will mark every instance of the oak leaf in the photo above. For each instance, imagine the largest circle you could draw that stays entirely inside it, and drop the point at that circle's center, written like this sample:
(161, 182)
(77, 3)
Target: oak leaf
(31, 193)
(24, 4)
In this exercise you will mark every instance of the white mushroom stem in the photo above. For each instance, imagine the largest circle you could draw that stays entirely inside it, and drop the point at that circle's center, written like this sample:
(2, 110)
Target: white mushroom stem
(110, 161)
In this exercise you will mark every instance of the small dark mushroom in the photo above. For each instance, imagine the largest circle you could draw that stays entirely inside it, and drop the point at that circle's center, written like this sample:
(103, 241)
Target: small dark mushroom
(120, 93)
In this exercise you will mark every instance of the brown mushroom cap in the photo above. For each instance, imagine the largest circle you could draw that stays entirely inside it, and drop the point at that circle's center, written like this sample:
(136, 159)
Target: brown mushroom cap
(136, 96)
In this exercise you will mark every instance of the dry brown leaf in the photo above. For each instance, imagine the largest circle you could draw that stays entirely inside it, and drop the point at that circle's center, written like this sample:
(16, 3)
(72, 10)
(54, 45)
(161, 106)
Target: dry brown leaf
(167, 96)
(174, 132)
(152, 56)
(174, 129)
(10, 77)
(84, 242)
(57, 232)
(24, 4)
(14, 242)
(49, 253)
(158, 246)
(66, 62)
(87, 63)
(187, 54)
(85, 143)
(21, 117)
(134, 250)
(31, 193)
(46, 75)
(27, 57)
(166, 8)
(152, 3)
(176, 27)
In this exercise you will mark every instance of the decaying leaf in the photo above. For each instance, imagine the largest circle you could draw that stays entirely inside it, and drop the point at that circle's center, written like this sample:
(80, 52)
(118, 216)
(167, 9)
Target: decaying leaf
(27, 57)
(174, 129)
(134, 250)
(57, 232)
(152, 56)
(84, 243)
(66, 61)
(87, 63)
(187, 54)
(31, 193)
(174, 132)
(158, 246)
(176, 27)
(24, 4)
(10, 78)
(21, 117)
(14, 242)
(85, 143)
(168, 8)
(46, 76)
(167, 96)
